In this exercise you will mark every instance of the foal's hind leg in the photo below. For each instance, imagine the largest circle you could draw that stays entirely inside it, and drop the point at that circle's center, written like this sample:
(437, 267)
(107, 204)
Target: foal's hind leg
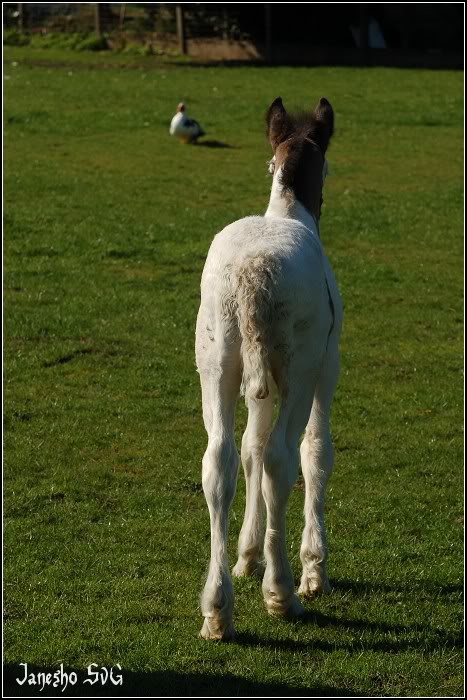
(317, 458)
(220, 466)
(280, 472)
(250, 543)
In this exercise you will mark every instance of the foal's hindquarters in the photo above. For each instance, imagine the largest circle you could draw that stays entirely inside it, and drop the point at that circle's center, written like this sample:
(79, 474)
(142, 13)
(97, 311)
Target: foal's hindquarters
(265, 317)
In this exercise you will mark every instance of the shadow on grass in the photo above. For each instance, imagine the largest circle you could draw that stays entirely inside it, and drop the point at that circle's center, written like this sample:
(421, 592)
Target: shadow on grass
(427, 588)
(160, 683)
(393, 638)
(212, 143)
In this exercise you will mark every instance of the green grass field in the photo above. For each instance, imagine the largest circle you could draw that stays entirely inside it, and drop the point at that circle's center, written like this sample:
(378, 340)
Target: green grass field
(107, 224)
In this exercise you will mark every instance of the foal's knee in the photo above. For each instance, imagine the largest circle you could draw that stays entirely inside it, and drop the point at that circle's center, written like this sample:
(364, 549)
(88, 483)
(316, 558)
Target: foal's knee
(280, 464)
(252, 450)
(316, 448)
(220, 464)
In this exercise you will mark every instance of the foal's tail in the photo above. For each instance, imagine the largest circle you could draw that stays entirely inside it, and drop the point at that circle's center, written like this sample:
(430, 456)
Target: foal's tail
(254, 294)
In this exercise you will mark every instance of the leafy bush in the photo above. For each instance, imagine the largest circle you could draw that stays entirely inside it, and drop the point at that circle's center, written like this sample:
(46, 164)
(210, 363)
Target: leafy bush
(134, 49)
(92, 43)
(11, 37)
(71, 41)
(54, 40)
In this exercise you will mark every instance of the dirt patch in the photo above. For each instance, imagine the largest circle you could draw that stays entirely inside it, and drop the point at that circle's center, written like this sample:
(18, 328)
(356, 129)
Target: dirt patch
(222, 50)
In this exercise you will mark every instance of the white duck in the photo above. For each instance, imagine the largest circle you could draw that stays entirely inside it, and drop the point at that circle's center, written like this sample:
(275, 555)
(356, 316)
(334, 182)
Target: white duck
(186, 130)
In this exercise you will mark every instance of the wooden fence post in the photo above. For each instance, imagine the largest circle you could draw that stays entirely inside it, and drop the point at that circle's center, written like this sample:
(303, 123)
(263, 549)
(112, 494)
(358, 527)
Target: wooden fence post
(103, 14)
(181, 34)
(122, 15)
(22, 16)
(97, 19)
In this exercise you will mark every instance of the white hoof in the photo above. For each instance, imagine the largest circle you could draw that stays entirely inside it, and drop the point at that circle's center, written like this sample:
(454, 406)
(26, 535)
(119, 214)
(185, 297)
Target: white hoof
(313, 585)
(290, 608)
(214, 628)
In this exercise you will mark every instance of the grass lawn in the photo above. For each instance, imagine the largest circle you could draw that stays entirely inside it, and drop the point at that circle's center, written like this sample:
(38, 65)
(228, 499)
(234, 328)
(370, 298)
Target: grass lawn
(107, 224)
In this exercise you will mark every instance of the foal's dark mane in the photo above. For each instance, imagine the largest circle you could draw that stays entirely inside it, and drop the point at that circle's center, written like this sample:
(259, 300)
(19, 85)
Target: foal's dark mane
(305, 139)
(305, 154)
(305, 133)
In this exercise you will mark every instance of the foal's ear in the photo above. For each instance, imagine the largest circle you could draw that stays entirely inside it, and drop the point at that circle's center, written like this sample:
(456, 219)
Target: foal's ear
(324, 118)
(278, 126)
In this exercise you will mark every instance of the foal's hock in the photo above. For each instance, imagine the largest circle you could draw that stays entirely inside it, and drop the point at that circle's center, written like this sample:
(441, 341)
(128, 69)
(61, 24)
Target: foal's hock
(270, 318)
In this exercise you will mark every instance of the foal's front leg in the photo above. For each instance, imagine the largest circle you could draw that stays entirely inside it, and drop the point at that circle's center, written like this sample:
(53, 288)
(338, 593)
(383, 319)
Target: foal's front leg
(220, 467)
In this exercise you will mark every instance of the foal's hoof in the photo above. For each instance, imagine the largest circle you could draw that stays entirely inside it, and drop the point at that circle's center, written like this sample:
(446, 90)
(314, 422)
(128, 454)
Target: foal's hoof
(312, 586)
(243, 567)
(218, 630)
(290, 609)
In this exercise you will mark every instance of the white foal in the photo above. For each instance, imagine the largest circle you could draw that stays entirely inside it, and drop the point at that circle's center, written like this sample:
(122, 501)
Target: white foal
(270, 315)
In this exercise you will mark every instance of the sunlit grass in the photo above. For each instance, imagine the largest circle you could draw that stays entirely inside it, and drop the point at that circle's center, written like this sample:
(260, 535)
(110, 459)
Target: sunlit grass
(107, 224)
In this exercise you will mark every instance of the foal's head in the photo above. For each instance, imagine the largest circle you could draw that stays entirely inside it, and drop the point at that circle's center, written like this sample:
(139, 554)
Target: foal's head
(299, 143)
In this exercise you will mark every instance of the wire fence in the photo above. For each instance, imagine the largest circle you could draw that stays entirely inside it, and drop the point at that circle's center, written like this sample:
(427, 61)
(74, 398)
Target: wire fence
(221, 20)
(268, 31)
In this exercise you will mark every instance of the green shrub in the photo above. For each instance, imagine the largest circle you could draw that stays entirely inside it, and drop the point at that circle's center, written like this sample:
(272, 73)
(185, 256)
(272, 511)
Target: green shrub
(92, 43)
(134, 49)
(56, 40)
(76, 41)
(11, 37)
